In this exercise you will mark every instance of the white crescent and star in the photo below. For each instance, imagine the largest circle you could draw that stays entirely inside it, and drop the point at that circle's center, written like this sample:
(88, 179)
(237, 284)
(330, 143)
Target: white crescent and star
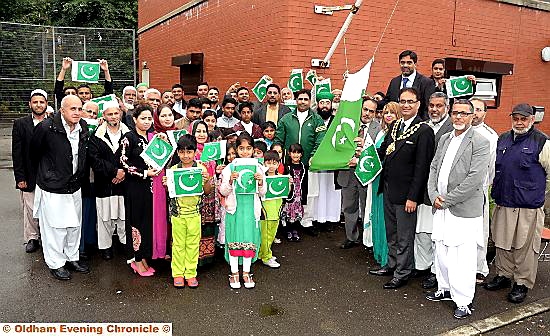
(240, 178)
(85, 74)
(276, 193)
(462, 82)
(164, 152)
(338, 129)
(362, 164)
(185, 187)
(215, 152)
(295, 76)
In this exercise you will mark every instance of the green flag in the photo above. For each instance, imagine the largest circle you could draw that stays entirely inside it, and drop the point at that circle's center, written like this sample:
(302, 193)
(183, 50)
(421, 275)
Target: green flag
(175, 135)
(291, 105)
(311, 77)
(337, 146)
(157, 153)
(213, 151)
(459, 86)
(260, 89)
(368, 165)
(83, 71)
(320, 86)
(92, 124)
(184, 182)
(278, 186)
(102, 102)
(245, 183)
(295, 81)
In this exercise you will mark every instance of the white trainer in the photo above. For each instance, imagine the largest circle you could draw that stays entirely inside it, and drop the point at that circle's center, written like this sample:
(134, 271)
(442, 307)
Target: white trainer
(272, 263)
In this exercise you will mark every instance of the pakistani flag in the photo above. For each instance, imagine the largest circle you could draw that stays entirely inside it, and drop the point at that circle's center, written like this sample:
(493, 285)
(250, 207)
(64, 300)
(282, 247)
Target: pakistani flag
(101, 101)
(295, 81)
(157, 153)
(337, 147)
(320, 86)
(213, 151)
(175, 135)
(245, 183)
(459, 86)
(260, 89)
(291, 104)
(92, 124)
(278, 186)
(311, 77)
(368, 165)
(85, 71)
(184, 182)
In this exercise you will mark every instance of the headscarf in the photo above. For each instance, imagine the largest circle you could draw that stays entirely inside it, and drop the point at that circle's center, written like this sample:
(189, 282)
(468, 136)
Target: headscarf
(156, 120)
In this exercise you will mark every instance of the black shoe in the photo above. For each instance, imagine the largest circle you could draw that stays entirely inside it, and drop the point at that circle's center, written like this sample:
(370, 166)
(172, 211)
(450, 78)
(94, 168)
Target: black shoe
(498, 282)
(420, 273)
(83, 255)
(384, 271)
(78, 267)
(518, 293)
(106, 254)
(348, 244)
(312, 231)
(439, 295)
(462, 312)
(395, 283)
(61, 273)
(32, 246)
(429, 282)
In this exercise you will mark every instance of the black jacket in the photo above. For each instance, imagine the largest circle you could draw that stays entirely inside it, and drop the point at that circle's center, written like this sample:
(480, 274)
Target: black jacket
(425, 87)
(104, 162)
(23, 170)
(52, 156)
(59, 94)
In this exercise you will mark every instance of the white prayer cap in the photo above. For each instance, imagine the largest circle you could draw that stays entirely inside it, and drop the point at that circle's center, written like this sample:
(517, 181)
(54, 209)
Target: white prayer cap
(128, 88)
(49, 109)
(40, 92)
(110, 104)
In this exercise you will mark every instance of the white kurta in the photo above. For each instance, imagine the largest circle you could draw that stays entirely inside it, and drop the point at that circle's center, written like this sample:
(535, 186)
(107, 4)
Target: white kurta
(328, 203)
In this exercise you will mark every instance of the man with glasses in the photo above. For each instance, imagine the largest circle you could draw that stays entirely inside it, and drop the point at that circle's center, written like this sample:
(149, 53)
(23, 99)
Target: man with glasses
(407, 151)
(522, 179)
(456, 172)
(272, 109)
(478, 123)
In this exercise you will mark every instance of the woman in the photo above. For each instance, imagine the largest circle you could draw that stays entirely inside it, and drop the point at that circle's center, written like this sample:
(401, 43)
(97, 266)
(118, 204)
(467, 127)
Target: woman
(138, 199)
(163, 121)
(391, 112)
(209, 222)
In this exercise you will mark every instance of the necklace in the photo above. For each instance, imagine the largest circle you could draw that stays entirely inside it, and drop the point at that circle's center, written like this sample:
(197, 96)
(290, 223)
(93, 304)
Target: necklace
(403, 136)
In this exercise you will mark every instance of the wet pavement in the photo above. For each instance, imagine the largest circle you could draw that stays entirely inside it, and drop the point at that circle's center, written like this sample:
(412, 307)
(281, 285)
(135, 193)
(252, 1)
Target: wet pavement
(319, 290)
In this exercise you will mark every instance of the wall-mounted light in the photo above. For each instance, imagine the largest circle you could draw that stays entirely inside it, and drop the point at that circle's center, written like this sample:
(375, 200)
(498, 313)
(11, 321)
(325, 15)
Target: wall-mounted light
(545, 53)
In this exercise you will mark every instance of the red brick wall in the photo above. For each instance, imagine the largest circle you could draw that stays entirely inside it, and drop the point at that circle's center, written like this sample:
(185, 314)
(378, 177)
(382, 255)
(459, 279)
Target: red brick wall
(242, 40)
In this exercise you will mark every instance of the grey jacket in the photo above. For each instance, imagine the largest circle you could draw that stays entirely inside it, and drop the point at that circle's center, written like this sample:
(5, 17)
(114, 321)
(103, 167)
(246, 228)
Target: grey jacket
(465, 186)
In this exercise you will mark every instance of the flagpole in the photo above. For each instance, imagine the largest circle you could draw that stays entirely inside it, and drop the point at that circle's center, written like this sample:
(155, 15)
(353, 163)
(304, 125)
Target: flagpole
(343, 30)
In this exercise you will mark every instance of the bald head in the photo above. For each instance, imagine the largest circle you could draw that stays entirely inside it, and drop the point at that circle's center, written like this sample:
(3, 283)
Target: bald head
(71, 109)
(90, 110)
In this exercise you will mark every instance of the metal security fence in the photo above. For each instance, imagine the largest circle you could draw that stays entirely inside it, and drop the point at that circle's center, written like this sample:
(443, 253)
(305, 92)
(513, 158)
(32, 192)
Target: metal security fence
(31, 56)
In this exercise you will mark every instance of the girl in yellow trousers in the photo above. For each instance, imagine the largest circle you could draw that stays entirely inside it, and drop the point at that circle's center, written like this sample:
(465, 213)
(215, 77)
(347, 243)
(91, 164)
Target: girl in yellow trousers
(186, 219)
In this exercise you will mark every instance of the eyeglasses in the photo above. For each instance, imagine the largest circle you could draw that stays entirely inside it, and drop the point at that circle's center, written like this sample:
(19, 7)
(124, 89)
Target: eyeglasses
(461, 114)
(92, 112)
(407, 102)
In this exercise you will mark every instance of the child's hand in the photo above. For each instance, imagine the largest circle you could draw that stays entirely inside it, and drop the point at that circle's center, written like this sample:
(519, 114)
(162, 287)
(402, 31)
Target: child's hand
(290, 182)
(162, 136)
(219, 169)
(164, 181)
(258, 176)
(152, 172)
(233, 177)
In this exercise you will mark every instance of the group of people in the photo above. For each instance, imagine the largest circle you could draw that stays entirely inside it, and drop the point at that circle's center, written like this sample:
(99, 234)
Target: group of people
(425, 214)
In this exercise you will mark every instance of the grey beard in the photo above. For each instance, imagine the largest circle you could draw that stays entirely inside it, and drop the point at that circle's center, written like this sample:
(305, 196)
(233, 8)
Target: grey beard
(523, 131)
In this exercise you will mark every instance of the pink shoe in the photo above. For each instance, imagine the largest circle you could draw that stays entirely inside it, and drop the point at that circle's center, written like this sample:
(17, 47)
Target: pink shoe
(178, 282)
(143, 274)
(151, 269)
(193, 283)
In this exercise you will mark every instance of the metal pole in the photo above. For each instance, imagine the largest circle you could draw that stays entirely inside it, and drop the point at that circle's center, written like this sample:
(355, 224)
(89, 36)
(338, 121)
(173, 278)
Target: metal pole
(134, 54)
(54, 61)
(343, 30)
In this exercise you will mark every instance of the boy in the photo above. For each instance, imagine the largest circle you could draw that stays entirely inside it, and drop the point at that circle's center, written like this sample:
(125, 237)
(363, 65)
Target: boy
(260, 148)
(268, 130)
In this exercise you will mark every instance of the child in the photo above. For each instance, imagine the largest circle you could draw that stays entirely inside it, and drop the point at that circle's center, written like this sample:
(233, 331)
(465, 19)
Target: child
(186, 219)
(270, 211)
(279, 149)
(293, 210)
(242, 227)
(230, 155)
(260, 148)
(268, 130)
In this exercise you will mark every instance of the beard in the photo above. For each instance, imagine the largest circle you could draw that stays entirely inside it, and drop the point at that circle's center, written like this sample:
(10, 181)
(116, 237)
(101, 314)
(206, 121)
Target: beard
(521, 131)
(324, 113)
(459, 127)
(435, 120)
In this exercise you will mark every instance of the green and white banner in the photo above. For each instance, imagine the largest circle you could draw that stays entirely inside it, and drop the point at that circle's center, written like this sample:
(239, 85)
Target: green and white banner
(278, 186)
(296, 80)
(184, 182)
(101, 102)
(320, 86)
(158, 152)
(459, 86)
(368, 165)
(175, 135)
(260, 89)
(245, 183)
(83, 71)
(92, 124)
(311, 77)
(213, 151)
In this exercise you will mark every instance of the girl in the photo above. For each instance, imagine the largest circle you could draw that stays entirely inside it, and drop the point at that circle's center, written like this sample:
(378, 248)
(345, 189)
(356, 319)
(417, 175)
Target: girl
(268, 129)
(242, 227)
(293, 210)
(209, 117)
(163, 121)
(230, 155)
(138, 199)
(279, 149)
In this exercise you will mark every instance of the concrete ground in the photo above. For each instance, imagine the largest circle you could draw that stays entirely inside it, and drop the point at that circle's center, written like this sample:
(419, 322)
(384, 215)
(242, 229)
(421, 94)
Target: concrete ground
(319, 290)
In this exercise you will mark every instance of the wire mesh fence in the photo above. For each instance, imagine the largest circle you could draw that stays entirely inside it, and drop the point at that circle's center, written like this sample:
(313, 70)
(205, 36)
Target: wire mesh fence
(31, 56)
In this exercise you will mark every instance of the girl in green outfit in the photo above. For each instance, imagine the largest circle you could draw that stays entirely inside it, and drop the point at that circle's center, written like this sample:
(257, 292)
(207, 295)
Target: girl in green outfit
(243, 211)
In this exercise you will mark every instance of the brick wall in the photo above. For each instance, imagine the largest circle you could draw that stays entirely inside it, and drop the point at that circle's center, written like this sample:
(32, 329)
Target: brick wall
(242, 40)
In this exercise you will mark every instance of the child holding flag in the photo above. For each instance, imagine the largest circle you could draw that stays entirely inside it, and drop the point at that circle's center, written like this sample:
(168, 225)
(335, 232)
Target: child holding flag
(293, 210)
(242, 227)
(186, 219)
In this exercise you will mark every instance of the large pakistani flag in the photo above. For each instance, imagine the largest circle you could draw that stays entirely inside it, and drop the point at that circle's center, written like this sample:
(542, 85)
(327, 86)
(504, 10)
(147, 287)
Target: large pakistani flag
(337, 147)
(184, 182)
(459, 86)
(85, 71)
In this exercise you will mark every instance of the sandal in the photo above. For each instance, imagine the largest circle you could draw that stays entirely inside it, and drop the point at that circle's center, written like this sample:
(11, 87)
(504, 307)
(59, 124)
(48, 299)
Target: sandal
(178, 282)
(234, 281)
(248, 282)
(192, 283)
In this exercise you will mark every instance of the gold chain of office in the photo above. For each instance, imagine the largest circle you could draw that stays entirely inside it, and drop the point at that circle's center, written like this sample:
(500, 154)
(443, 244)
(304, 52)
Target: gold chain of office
(403, 136)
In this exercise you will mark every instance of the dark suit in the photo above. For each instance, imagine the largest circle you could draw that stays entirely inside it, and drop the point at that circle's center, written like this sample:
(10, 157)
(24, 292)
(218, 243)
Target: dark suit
(424, 85)
(261, 112)
(445, 128)
(23, 170)
(404, 177)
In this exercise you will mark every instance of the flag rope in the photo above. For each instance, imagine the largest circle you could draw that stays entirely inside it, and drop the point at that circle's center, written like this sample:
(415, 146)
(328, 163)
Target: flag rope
(346, 73)
(385, 28)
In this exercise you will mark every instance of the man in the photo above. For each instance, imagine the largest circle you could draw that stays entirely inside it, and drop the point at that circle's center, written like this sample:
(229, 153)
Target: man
(141, 88)
(83, 91)
(323, 195)
(441, 123)
(379, 96)
(337, 93)
(227, 121)
(168, 98)
(522, 178)
(456, 174)
(152, 98)
(407, 151)
(129, 98)
(206, 104)
(90, 110)
(193, 112)
(308, 129)
(23, 170)
(202, 90)
(108, 180)
(214, 96)
(60, 156)
(179, 103)
(354, 194)
(480, 112)
(243, 95)
(410, 78)
(272, 109)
